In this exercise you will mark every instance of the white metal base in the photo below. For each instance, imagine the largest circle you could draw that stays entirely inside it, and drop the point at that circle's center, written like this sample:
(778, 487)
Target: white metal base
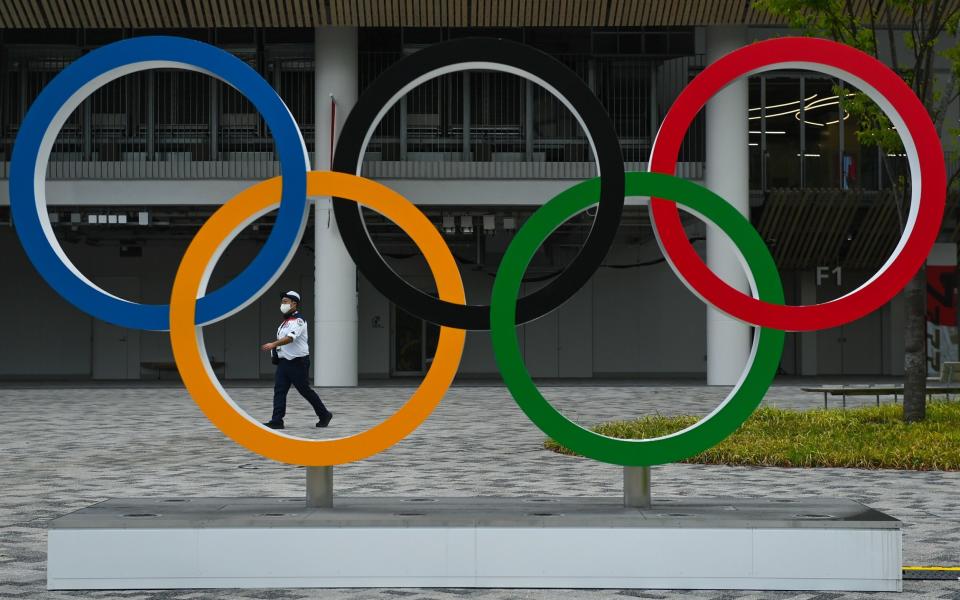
(493, 543)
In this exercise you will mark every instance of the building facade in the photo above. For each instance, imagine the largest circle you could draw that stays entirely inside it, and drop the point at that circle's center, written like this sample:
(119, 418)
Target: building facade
(141, 163)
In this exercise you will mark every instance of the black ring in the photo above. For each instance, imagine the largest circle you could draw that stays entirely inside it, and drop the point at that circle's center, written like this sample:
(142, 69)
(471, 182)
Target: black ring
(351, 144)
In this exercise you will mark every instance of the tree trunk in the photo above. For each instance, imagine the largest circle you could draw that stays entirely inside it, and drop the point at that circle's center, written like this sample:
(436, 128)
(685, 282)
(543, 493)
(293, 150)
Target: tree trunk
(915, 349)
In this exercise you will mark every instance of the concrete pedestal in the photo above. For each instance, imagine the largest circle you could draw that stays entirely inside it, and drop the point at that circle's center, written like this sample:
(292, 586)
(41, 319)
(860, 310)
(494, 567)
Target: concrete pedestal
(475, 542)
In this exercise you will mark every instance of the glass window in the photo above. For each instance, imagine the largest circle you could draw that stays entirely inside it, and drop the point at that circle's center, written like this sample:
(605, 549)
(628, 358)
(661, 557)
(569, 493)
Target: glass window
(821, 160)
(756, 167)
(858, 166)
(408, 342)
(782, 131)
(623, 86)
(860, 163)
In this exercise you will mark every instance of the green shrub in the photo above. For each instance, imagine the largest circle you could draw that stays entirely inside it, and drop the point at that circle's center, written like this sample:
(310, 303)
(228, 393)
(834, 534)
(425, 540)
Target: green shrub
(865, 438)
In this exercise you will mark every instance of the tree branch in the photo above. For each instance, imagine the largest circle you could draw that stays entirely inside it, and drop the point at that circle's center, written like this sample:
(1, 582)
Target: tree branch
(892, 40)
(955, 177)
(939, 112)
(873, 30)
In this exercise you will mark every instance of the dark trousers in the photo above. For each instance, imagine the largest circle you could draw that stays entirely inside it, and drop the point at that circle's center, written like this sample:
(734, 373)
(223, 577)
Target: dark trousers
(294, 372)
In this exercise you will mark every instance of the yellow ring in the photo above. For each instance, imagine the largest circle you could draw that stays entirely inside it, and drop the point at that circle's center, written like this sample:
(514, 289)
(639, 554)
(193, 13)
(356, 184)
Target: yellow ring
(187, 338)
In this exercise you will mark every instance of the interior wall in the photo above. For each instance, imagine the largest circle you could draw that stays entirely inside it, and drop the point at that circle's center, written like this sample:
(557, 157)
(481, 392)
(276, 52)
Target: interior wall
(625, 322)
(42, 335)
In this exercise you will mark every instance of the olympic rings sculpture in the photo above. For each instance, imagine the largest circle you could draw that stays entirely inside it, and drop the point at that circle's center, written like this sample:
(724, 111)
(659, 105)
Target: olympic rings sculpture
(191, 307)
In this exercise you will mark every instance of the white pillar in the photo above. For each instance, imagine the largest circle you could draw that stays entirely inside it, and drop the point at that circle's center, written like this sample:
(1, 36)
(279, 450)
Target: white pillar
(335, 283)
(727, 174)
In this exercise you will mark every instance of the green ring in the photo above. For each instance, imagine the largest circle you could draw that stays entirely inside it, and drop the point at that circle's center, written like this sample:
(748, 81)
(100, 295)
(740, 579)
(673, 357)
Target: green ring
(726, 418)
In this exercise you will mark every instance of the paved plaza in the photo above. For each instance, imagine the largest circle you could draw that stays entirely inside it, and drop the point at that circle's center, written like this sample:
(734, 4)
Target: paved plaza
(66, 448)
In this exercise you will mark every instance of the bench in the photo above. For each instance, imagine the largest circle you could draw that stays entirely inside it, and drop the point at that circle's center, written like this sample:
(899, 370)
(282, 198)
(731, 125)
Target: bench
(877, 390)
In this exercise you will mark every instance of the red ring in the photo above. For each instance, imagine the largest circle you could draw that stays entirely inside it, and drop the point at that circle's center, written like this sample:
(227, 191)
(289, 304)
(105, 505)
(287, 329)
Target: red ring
(933, 184)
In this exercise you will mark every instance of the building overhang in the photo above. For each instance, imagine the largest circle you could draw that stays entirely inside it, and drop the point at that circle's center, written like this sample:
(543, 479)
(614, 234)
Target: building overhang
(188, 14)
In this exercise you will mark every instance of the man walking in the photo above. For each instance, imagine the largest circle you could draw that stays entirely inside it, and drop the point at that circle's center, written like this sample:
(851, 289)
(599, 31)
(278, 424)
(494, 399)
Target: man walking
(291, 354)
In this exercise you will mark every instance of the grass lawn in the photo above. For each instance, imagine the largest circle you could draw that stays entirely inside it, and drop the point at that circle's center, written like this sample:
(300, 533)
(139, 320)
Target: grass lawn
(865, 438)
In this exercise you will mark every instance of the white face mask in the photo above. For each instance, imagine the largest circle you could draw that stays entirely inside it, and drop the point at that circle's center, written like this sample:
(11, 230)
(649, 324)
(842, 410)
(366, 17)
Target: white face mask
(285, 307)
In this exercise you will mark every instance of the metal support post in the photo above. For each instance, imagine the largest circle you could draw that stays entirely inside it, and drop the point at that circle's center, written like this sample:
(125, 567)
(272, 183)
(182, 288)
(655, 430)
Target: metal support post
(763, 133)
(803, 132)
(87, 124)
(528, 123)
(403, 128)
(653, 111)
(319, 487)
(841, 134)
(467, 149)
(214, 140)
(151, 115)
(277, 84)
(636, 487)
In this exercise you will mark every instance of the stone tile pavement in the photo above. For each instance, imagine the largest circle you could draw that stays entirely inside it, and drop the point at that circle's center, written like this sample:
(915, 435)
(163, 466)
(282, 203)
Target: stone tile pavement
(65, 448)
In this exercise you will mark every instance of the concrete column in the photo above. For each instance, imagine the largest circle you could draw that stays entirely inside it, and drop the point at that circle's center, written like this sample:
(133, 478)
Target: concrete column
(335, 283)
(727, 174)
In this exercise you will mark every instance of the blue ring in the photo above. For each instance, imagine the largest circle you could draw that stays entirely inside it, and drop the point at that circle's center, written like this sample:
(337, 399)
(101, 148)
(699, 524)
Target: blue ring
(283, 238)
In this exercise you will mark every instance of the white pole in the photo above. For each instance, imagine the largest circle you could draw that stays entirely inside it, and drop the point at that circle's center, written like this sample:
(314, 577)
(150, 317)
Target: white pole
(335, 283)
(727, 174)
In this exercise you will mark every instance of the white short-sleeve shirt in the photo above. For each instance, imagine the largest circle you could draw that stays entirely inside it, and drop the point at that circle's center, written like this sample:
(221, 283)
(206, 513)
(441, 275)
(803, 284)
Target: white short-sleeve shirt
(295, 327)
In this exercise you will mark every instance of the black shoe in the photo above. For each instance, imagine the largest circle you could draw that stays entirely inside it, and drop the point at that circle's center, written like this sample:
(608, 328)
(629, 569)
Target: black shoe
(274, 424)
(325, 420)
